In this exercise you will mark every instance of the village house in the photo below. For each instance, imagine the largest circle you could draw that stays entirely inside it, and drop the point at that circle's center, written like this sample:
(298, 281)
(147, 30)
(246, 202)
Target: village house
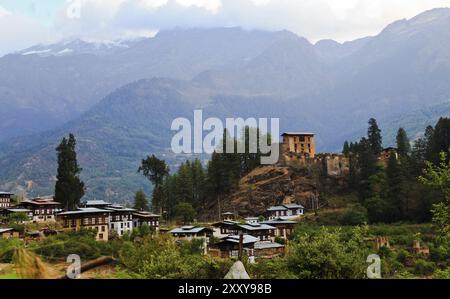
(261, 231)
(228, 216)
(224, 228)
(120, 219)
(44, 209)
(268, 249)
(287, 211)
(5, 200)
(191, 232)
(228, 247)
(87, 218)
(143, 217)
(284, 228)
(9, 212)
(9, 233)
(299, 143)
(252, 247)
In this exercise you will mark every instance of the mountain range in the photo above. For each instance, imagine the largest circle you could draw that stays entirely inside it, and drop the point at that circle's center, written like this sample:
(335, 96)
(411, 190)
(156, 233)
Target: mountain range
(119, 99)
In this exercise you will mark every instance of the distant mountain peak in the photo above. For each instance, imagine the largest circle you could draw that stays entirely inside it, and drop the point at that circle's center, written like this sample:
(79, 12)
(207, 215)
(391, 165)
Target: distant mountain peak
(433, 17)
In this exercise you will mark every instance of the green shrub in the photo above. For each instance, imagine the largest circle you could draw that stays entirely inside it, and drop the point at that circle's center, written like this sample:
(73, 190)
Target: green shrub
(424, 268)
(402, 255)
(355, 215)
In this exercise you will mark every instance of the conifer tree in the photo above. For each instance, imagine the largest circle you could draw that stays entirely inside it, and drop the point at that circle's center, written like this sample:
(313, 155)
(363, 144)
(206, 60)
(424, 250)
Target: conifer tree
(155, 170)
(403, 145)
(394, 192)
(69, 188)
(140, 201)
(374, 137)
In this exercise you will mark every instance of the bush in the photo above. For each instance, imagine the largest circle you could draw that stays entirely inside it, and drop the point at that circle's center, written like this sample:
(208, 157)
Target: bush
(82, 243)
(161, 258)
(355, 215)
(327, 255)
(402, 255)
(385, 252)
(270, 269)
(424, 268)
(442, 274)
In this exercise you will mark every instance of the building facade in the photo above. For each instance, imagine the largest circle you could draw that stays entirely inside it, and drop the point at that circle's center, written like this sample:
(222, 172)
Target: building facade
(299, 143)
(143, 217)
(120, 219)
(43, 209)
(287, 211)
(5, 200)
(284, 228)
(87, 218)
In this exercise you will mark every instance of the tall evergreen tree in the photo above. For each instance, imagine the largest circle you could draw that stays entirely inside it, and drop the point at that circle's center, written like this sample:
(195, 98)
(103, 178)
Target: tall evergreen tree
(141, 202)
(198, 181)
(374, 137)
(403, 145)
(367, 163)
(69, 188)
(440, 141)
(155, 170)
(394, 192)
(184, 184)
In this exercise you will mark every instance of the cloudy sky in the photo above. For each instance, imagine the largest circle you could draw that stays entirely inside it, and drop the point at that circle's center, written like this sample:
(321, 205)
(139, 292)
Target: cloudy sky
(27, 22)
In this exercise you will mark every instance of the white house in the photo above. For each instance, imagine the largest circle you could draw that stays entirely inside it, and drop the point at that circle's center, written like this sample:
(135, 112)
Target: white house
(120, 219)
(287, 211)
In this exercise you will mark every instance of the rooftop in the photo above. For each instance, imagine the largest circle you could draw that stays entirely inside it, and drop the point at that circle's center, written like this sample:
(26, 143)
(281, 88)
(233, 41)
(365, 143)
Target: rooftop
(256, 227)
(294, 206)
(117, 208)
(285, 207)
(236, 239)
(97, 203)
(84, 211)
(6, 193)
(267, 245)
(145, 214)
(188, 230)
(297, 134)
(4, 230)
(278, 221)
(40, 201)
(277, 208)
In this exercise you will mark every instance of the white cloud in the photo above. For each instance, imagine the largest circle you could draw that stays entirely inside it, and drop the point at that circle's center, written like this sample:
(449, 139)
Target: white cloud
(18, 32)
(314, 19)
(3, 12)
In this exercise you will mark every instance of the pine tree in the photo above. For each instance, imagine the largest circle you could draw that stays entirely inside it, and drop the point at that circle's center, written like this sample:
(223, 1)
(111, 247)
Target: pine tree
(140, 201)
(403, 145)
(198, 181)
(374, 137)
(155, 170)
(346, 148)
(394, 192)
(367, 164)
(69, 188)
(184, 184)
(440, 141)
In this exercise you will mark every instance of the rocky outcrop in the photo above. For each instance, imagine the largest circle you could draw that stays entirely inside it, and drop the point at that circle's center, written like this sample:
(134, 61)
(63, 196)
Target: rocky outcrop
(295, 179)
(264, 187)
